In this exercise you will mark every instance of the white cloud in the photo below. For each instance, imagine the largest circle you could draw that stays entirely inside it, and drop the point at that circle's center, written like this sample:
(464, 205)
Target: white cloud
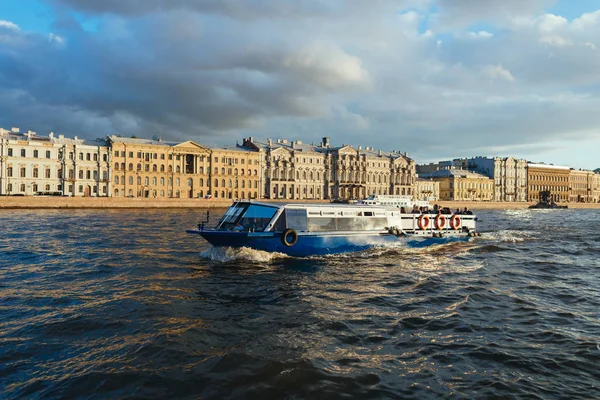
(480, 35)
(8, 25)
(498, 72)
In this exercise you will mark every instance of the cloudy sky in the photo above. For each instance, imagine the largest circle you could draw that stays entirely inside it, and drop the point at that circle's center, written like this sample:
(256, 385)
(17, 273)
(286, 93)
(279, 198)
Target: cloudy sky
(436, 78)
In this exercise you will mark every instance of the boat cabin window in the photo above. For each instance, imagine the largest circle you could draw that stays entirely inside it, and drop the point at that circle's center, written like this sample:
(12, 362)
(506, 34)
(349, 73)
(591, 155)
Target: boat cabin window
(247, 217)
(350, 223)
(257, 217)
(296, 219)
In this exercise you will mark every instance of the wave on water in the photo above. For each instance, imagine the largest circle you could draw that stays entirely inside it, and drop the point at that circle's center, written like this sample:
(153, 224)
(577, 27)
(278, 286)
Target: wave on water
(229, 254)
(510, 236)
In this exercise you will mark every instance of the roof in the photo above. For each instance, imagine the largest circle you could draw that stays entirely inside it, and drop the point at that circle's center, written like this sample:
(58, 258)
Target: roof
(318, 148)
(454, 173)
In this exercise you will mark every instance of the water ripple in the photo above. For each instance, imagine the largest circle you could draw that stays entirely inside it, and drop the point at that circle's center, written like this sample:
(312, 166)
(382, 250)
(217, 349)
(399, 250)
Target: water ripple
(124, 304)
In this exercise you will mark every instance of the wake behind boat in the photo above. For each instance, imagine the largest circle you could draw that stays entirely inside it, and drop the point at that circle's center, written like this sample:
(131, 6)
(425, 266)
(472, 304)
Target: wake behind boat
(302, 230)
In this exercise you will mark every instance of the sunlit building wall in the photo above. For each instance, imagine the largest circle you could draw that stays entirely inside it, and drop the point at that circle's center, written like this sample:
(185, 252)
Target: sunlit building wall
(52, 165)
(542, 177)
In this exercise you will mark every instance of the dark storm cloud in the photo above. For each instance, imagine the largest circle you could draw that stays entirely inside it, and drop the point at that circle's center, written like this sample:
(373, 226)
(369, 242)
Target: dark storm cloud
(362, 72)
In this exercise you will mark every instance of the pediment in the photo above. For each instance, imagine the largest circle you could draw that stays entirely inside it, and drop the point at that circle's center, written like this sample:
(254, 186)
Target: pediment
(347, 150)
(191, 145)
(281, 151)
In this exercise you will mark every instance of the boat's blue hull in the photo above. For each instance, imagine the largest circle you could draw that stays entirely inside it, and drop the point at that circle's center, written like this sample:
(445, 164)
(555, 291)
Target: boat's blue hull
(317, 244)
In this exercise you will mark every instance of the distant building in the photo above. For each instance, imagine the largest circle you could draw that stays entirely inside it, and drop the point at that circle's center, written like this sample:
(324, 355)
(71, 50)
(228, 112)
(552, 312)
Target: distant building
(462, 185)
(554, 178)
(509, 174)
(153, 168)
(235, 173)
(294, 170)
(432, 167)
(581, 185)
(427, 189)
(39, 165)
(596, 188)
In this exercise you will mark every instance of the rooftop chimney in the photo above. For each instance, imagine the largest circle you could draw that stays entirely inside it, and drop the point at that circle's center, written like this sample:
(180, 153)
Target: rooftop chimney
(325, 142)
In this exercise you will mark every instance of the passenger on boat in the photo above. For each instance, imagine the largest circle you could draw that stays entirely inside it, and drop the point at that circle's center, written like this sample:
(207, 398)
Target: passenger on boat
(402, 210)
(466, 211)
(415, 210)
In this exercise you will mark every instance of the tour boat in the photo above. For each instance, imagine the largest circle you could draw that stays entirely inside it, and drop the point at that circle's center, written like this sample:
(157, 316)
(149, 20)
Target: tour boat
(302, 230)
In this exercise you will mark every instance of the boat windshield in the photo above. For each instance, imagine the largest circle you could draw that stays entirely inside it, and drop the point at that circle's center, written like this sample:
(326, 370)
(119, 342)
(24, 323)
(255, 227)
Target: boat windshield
(247, 217)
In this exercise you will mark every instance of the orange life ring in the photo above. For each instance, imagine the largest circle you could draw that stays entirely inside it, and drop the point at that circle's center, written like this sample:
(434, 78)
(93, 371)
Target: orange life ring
(455, 222)
(440, 221)
(423, 222)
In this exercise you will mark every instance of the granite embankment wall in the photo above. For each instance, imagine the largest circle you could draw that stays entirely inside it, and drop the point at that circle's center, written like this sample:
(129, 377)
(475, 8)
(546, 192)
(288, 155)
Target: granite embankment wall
(34, 202)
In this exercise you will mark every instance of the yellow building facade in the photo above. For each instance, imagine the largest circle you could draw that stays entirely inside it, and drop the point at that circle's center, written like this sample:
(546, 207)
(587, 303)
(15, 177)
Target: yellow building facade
(581, 185)
(157, 169)
(427, 190)
(235, 173)
(462, 185)
(542, 177)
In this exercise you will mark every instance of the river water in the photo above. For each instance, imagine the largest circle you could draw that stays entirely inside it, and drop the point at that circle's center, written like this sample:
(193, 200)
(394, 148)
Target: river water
(124, 304)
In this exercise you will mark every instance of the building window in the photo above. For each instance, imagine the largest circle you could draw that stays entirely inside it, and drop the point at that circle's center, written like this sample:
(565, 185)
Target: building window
(80, 174)
(35, 173)
(81, 156)
(9, 172)
(131, 154)
(23, 172)
(10, 152)
(22, 187)
(22, 152)
(35, 154)
(47, 173)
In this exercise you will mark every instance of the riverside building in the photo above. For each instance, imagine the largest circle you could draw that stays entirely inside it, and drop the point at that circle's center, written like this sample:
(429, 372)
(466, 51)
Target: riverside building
(581, 185)
(427, 189)
(462, 185)
(152, 168)
(37, 165)
(294, 170)
(554, 178)
(509, 174)
(234, 173)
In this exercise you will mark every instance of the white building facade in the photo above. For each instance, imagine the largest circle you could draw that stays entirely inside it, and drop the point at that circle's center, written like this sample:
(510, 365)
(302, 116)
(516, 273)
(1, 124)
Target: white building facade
(294, 170)
(37, 165)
